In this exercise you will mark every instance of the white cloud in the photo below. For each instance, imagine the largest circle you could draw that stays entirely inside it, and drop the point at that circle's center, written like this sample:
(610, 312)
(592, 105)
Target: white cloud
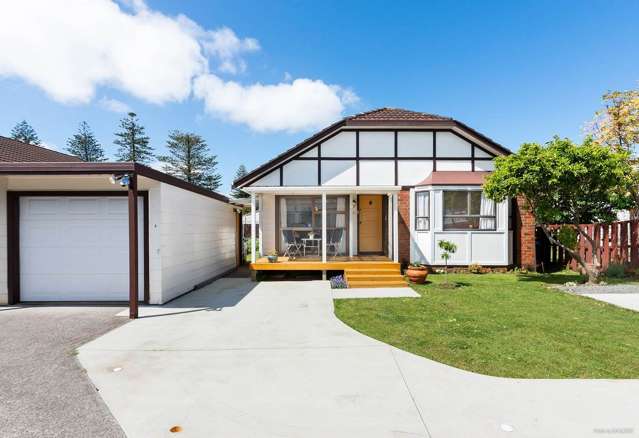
(297, 106)
(75, 46)
(225, 45)
(114, 105)
(72, 48)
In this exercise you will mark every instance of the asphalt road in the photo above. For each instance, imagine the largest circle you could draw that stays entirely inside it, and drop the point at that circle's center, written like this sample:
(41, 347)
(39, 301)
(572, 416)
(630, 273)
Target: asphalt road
(44, 390)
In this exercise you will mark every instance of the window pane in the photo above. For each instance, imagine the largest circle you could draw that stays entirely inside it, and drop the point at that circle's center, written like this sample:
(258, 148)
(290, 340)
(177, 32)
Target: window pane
(487, 223)
(475, 202)
(421, 204)
(461, 223)
(298, 212)
(422, 223)
(455, 203)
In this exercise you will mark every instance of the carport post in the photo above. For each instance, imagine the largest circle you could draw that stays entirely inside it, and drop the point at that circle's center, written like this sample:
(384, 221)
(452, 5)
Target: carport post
(133, 246)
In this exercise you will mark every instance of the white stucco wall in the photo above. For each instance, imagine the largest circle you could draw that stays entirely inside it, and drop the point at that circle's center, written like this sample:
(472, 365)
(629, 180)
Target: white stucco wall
(268, 223)
(197, 240)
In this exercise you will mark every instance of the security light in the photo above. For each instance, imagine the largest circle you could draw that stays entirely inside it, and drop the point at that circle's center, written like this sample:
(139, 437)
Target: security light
(124, 180)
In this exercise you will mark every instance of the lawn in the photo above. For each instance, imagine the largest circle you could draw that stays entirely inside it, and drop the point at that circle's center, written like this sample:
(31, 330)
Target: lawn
(509, 325)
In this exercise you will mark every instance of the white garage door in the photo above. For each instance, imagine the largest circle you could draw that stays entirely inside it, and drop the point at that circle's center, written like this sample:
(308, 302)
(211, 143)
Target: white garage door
(77, 248)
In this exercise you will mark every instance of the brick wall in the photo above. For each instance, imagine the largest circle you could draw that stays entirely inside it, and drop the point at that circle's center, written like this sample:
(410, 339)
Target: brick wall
(525, 256)
(403, 230)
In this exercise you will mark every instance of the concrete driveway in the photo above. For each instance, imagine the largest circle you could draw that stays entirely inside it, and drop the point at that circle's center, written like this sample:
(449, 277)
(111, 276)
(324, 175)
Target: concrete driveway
(43, 390)
(240, 359)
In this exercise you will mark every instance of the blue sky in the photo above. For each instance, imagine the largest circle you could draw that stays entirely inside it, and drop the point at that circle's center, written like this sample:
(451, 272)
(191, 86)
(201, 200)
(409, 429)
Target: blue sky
(516, 71)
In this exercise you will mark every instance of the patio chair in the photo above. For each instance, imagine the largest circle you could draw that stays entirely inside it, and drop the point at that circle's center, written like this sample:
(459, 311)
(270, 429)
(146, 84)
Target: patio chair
(333, 240)
(291, 244)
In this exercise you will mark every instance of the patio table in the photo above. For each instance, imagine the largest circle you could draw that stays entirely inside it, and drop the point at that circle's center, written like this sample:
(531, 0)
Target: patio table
(310, 243)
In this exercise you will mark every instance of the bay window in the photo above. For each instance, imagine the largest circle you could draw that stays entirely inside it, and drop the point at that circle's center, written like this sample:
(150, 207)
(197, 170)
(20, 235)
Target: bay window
(468, 210)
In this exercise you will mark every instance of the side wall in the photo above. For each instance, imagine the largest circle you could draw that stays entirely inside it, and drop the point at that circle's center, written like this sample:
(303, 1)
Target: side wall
(197, 241)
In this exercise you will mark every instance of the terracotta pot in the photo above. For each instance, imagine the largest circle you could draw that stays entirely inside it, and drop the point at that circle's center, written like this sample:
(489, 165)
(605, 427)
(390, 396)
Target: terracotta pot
(417, 275)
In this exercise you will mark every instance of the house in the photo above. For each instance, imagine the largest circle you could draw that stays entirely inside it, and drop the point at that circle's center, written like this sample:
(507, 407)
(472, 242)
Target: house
(386, 185)
(102, 232)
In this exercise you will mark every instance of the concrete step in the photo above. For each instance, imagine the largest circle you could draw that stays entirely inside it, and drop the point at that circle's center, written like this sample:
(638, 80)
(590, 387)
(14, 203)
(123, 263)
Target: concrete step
(383, 271)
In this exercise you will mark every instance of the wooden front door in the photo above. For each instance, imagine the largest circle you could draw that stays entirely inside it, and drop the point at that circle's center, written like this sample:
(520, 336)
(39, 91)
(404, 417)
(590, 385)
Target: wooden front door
(370, 223)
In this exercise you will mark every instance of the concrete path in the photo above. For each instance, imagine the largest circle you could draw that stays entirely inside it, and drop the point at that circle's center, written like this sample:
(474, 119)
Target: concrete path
(625, 300)
(43, 390)
(375, 292)
(621, 295)
(240, 359)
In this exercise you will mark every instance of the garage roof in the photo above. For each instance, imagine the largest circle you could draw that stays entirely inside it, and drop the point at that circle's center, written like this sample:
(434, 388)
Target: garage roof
(84, 168)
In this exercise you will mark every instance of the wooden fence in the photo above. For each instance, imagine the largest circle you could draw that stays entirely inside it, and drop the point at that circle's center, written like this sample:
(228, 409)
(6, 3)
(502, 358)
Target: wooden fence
(618, 243)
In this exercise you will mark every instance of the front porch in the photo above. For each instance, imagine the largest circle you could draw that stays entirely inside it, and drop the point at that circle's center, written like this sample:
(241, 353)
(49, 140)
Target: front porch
(327, 229)
(363, 271)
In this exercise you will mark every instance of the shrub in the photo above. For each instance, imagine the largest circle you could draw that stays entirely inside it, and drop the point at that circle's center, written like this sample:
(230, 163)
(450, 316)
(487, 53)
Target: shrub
(338, 282)
(616, 270)
(475, 268)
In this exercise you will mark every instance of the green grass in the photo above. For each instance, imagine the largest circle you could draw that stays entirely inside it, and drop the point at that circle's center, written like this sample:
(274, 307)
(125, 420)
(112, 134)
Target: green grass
(506, 325)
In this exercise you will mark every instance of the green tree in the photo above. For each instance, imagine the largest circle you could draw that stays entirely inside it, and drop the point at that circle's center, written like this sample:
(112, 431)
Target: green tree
(238, 193)
(25, 133)
(132, 141)
(617, 125)
(189, 159)
(448, 248)
(567, 183)
(84, 145)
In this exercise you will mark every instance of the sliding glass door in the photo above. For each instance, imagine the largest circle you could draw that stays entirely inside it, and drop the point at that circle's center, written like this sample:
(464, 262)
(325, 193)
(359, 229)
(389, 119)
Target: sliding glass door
(299, 226)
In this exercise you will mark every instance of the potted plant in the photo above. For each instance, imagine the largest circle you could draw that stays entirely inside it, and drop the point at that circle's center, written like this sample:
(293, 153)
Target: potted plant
(417, 273)
(272, 257)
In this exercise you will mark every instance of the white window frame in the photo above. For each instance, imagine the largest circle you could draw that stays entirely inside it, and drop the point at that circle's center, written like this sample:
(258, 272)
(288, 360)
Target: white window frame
(427, 217)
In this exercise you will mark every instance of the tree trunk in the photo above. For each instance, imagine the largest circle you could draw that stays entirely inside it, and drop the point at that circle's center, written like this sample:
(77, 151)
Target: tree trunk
(593, 272)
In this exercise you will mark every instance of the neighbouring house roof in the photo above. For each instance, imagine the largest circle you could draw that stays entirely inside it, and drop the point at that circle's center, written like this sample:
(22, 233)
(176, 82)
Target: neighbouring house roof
(85, 168)
(454, 177)
(392, 117)
(16, 151)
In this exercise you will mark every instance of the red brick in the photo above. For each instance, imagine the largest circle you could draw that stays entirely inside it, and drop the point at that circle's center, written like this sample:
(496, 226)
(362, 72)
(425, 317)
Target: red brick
(525, 256)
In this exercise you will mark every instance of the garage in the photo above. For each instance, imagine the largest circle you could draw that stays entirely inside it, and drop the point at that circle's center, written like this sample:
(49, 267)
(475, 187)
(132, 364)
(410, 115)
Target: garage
(109, 232)
(75, 248)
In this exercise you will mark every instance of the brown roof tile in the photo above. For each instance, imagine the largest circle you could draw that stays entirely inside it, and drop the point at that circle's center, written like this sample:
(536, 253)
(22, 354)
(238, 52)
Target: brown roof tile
(395, 114)
(16, 151)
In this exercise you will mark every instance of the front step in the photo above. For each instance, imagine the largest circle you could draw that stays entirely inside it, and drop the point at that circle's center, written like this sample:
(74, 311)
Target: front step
(386, 275)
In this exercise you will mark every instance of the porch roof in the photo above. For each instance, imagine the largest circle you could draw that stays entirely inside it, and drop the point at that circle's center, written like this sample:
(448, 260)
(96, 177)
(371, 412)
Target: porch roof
(306, 190)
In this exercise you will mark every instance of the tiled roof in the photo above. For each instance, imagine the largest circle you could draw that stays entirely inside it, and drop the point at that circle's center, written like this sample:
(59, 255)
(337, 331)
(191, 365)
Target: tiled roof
(16, 151)
(393, 114)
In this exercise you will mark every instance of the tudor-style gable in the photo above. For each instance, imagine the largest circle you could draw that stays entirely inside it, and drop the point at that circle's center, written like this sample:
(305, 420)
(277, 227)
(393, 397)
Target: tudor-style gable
(385, 147)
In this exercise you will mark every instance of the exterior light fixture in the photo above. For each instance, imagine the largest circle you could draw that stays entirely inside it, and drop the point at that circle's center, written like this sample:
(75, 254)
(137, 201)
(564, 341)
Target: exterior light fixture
(124, 179)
